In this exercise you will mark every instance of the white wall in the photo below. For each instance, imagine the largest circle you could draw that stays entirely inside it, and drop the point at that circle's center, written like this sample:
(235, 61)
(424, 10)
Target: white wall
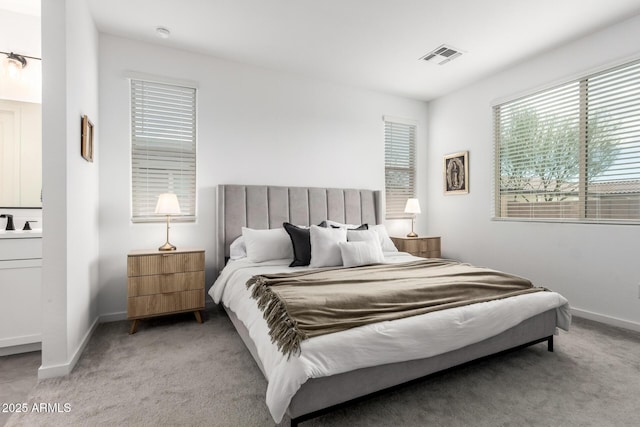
(594, 266)
(256, 126)
(82, 176)
(70, 185)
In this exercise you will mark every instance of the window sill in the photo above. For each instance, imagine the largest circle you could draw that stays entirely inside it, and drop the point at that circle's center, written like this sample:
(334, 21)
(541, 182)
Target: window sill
(569, 221)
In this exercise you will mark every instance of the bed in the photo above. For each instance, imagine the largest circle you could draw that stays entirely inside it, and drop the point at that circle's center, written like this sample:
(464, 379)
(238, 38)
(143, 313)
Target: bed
(326, 374)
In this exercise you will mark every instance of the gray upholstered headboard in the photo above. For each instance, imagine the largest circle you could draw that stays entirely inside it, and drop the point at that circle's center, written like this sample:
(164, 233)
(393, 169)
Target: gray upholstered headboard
(260, 206)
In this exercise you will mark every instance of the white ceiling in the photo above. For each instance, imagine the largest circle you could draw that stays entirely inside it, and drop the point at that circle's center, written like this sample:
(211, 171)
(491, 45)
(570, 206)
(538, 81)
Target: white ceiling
(369, 43)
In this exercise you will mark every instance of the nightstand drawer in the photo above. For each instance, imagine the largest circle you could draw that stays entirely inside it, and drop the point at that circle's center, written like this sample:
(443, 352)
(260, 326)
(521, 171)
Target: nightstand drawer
(150, 305)
(164, 283)
(426, 247)
(145, 265)
(411, 246)
(429, 245)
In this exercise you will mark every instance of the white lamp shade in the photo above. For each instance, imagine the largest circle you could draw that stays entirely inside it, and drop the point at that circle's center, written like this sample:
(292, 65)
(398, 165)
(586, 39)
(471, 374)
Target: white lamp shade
(168, 204)
(412, 207)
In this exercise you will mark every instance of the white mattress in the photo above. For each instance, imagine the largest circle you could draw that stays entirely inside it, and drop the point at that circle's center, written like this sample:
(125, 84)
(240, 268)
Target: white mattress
(375, 344)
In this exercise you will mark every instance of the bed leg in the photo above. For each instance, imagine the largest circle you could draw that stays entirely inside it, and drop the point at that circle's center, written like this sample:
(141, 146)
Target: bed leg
(550, 344)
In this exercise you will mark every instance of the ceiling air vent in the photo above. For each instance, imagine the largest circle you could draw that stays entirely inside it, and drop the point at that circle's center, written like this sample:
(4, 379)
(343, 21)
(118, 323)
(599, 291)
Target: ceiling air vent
(442, 55)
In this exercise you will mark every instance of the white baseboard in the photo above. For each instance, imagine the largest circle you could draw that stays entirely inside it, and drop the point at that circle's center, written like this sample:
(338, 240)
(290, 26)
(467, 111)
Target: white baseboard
(63, 369)
(21, 340)
(21, 348)
(609, 320)
(53, 371)
(113, 317)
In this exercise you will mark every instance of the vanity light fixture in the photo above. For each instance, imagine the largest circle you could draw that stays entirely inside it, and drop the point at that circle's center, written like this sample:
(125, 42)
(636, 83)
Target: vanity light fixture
(168, 205)
(16, 62)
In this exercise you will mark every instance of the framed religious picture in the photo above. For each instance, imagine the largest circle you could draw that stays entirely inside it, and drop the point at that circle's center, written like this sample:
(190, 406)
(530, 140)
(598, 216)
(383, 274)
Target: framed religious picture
(456, 173)
(86, 146)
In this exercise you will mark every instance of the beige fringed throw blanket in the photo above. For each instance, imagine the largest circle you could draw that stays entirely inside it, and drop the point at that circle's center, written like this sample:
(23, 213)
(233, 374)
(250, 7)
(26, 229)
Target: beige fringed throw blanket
(308, 303)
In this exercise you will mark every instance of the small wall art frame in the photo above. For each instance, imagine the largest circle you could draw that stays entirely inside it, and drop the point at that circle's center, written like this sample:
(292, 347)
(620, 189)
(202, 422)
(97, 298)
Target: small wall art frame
(86, 146)
(456, 173)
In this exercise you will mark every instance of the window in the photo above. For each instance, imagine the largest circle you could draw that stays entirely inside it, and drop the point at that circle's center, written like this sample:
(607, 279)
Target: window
(163, 147)
(399, 165)
(572, 152)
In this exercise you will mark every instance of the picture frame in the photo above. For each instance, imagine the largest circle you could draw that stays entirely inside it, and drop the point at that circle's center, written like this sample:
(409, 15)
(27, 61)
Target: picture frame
(456, 173)
(86, 146)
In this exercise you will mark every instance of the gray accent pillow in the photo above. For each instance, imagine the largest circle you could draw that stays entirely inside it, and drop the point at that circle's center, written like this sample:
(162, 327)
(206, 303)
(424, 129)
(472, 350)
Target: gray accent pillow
(358, 228)
(301, 242)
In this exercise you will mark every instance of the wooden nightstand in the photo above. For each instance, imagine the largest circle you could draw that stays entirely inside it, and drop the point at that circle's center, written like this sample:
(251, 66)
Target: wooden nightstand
(425, 247)
(161, 283)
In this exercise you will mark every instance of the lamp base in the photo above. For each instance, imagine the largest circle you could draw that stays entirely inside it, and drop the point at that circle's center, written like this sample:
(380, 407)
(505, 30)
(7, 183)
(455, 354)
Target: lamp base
(412, 234)
(167, 247)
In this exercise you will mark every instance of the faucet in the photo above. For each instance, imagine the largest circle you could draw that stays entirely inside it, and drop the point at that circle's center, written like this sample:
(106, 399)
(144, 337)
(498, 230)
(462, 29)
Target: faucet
(10, 225)
(27, 225)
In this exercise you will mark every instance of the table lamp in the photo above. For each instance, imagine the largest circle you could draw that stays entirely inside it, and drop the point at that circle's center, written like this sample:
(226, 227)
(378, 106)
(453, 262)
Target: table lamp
(168, 205)
(413, 208)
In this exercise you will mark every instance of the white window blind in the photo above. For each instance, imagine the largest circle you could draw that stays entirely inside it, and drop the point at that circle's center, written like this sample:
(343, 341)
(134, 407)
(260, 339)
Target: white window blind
(572, 152)
(400, 166)
(163, 147)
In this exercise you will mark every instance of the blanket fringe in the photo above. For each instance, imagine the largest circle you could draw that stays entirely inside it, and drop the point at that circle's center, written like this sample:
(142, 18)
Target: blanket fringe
(284, 332)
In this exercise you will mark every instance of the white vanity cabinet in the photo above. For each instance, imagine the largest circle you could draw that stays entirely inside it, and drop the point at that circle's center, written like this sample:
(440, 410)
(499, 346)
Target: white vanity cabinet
(20, 292)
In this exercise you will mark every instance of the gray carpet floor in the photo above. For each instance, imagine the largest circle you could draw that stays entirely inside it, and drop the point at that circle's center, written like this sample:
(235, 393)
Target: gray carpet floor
(18, 375)
(175, 371)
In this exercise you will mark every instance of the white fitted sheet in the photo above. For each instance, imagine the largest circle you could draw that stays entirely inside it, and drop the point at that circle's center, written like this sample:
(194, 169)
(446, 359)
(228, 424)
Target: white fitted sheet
(399, 340)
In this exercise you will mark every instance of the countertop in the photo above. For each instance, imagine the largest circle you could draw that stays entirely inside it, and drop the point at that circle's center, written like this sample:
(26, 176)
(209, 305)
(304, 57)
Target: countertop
(21, 234)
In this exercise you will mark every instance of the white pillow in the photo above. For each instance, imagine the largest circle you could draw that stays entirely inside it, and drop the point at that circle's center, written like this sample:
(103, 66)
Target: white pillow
(363, 235)
(325, 251)
(238, 249)
(265, 245)
(361, 253)
(385, 241)
(340, 225)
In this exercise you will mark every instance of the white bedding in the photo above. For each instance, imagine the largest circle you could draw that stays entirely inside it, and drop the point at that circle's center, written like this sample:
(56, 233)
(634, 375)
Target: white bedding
(375, 344)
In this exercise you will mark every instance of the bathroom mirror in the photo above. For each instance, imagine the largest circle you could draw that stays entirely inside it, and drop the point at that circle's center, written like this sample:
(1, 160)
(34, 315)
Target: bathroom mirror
(20, 154)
